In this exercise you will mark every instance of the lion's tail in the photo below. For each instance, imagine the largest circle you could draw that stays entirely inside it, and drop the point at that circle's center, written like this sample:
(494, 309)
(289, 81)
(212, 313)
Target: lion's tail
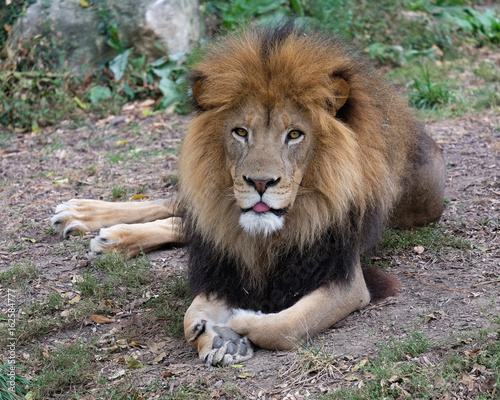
(380, 284)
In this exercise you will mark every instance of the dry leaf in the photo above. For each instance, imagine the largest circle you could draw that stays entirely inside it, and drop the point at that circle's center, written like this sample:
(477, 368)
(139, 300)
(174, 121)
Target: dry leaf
(246, 375)
(75, 299)
(99, 319)
(159, 358)
(139, 197)
(418, 249)
(117, 374)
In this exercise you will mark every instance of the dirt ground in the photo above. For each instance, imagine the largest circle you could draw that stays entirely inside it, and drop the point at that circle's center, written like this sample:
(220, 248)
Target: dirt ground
(458, 288)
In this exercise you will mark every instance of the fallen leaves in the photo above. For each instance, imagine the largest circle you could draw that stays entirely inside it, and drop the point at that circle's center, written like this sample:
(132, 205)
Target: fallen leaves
(100, 319)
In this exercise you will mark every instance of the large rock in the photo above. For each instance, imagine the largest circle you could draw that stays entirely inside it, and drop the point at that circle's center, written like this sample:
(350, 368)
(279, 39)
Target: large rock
(152, 27)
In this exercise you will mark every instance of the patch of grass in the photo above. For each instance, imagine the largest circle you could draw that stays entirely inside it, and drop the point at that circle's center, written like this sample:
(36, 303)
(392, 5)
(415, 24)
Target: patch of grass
(130, 273)
(402, 370)
(433, 238)
(487, 71)
(20, 274)
(427, 94)
(88, 285)
(13, 385)
(118, 193)
(171, 305)
(62, 368)
(487, 98)
(400, 350)
(75, 245)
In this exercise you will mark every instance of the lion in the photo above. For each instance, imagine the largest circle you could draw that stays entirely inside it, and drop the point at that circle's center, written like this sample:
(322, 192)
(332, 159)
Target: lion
(298, 157)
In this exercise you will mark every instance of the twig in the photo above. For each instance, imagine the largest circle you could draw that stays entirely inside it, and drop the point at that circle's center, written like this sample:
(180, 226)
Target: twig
(32, 74)
(486, 283)
(420, 278)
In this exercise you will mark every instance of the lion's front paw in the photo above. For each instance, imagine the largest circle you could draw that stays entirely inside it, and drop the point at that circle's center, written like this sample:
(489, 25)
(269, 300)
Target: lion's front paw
(103, 242)
(228, 347)
(219, 344)
(68, 217)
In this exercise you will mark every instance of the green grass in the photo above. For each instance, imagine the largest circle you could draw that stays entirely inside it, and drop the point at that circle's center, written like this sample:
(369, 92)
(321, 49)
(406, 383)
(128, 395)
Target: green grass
(118, 193)
(171, 305)
(487, 71)
(401, 371)
(432, 238)
(427, 94)
(13, 385)
(19, 274)
(63, 368)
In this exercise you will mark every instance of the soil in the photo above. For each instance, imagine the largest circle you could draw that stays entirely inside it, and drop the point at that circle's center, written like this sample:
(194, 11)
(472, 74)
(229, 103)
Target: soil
(457, 289)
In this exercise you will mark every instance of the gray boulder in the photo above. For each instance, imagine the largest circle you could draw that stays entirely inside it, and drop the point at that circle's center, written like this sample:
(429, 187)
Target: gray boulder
(152, 27)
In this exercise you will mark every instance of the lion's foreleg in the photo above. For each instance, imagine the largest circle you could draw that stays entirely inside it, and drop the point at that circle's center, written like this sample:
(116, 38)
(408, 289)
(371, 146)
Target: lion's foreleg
(130, 240)
(205, 327)
(312, 314)
(82, 215)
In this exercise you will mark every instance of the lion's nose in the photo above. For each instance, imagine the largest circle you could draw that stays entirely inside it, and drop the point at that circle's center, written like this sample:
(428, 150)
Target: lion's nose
(261, 185)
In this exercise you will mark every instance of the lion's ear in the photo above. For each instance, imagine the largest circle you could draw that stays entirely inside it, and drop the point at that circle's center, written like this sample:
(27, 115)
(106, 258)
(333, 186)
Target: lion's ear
(340, 92)
(198, 93)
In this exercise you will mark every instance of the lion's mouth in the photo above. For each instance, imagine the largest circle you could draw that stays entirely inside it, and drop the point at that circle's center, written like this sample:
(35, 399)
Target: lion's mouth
(262, 207)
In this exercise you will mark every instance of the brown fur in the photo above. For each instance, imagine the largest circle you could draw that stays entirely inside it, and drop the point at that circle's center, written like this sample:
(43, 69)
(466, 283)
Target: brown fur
(361, 157)
(361, 162)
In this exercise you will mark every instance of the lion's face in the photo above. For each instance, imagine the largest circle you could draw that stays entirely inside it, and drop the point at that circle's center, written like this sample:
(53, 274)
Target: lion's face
(267, 154)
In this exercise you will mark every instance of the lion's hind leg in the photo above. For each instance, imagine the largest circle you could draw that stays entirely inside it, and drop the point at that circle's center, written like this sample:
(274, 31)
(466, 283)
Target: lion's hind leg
(206, 328)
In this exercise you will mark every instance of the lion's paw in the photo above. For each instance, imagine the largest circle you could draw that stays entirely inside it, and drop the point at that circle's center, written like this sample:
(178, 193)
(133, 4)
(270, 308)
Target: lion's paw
(228, 348)
(67, 219)
(225, 348)
(103, 242)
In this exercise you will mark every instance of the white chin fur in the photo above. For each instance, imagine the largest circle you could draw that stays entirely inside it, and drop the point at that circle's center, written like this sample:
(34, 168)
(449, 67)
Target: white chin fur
(263, 223)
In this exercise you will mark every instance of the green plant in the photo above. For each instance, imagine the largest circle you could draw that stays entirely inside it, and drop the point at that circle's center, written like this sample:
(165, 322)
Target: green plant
(118, 193)
(63, 367)
(487, 71)
(19, 274)
(233, 13)
(433, 238)
(13, 386)
(483, 25)
(32, 100)
(427, 94)
(171, 305)
(398, 350)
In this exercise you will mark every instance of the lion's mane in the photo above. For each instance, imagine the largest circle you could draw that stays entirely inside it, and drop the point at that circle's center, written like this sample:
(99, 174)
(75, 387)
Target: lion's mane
(347, 192)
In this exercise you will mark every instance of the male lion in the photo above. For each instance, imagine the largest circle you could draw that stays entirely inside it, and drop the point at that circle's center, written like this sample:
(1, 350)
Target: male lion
(298, 157)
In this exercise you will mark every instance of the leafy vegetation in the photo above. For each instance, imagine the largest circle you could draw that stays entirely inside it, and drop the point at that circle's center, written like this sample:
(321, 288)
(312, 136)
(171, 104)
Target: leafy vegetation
(36, 92)
(10, 378)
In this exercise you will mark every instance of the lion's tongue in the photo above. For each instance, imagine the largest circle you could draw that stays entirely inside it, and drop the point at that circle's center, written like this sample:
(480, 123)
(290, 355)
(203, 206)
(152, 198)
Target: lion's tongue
(261, 207)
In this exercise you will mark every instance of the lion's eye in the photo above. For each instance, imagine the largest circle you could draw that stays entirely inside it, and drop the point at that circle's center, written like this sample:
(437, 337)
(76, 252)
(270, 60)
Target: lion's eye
(240, 132)
(294, 134)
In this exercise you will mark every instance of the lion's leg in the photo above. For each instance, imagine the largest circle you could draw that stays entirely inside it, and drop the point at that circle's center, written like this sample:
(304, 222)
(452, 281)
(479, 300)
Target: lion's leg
(132, 239)
(79, 216)
(423, 200)
(206, 328)
(312, 314)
